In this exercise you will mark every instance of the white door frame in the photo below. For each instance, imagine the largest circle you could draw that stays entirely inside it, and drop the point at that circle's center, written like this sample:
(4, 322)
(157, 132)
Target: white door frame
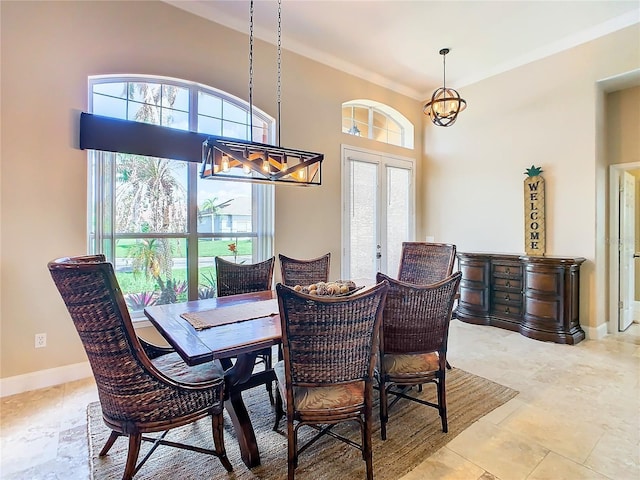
(615, 174)
(344, 154)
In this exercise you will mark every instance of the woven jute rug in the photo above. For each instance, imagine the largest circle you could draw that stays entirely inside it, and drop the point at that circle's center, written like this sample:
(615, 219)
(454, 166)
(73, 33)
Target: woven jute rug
(413, 434)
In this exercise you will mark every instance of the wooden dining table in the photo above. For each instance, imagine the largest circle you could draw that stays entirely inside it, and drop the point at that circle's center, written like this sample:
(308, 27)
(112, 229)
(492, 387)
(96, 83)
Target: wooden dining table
(235, 334)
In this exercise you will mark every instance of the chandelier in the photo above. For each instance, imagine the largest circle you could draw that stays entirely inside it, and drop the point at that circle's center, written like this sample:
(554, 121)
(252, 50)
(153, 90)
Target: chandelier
(248, 161)
(445, 103)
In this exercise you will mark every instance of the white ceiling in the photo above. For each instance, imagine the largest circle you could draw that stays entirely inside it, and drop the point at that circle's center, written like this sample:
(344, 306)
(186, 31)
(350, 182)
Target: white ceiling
(395, 43)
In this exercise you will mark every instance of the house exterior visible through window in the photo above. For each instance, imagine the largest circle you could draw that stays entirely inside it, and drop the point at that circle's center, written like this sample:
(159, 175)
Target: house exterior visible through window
(154, 218)
(376, 121)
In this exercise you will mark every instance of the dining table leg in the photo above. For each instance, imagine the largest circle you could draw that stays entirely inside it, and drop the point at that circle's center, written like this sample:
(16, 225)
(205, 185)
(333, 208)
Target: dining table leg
(235, 377)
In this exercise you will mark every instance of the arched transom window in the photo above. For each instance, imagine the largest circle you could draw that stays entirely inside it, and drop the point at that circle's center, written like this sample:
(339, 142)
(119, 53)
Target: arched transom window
(377, 121)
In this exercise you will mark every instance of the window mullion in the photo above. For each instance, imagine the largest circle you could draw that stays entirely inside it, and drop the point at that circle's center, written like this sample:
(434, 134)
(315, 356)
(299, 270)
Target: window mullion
(192, 205)
(192, 231)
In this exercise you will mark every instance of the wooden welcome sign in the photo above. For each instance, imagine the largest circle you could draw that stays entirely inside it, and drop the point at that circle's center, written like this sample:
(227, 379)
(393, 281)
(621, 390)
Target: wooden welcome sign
(534, 228)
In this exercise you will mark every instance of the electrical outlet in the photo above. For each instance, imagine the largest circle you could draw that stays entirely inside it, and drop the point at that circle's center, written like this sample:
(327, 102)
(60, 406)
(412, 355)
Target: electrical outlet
(41, 340)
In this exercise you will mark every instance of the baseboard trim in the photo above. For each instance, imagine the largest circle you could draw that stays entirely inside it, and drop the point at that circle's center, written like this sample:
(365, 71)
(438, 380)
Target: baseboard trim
(44, 378)
(596, 333)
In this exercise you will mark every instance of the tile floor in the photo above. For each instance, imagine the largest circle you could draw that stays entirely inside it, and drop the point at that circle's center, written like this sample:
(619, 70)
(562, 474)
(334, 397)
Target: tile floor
(577, 416)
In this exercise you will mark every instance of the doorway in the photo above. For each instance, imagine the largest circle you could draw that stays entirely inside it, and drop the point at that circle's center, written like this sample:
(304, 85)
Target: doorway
(623, 251)
(378, 204)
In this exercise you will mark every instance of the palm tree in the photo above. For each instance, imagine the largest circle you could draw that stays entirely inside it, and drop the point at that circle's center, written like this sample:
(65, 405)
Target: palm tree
(151, 97)
(150, 194)
(150, 197)
(147, 257)
(210, 207)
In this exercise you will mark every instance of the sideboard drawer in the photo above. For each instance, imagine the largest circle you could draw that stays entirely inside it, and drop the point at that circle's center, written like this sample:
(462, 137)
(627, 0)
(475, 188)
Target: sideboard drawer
(507, 298)
(511, 310)
(514, 284)
(507, 269)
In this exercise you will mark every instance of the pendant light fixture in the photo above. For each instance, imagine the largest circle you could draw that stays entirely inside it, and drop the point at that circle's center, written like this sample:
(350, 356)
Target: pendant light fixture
(354, 130)
(249, 161)
(445, 103)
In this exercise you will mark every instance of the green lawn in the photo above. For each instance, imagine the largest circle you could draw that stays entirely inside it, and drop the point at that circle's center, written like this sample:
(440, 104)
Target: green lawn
(206, 248)
(131, 282)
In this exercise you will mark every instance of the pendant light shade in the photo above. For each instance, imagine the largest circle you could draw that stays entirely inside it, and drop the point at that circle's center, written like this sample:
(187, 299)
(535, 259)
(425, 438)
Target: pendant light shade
(445, 103)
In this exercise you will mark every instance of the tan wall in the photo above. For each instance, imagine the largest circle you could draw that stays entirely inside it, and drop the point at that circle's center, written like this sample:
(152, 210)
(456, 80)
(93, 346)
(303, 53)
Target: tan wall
(543, 114)
(48, 51)
(623, 146)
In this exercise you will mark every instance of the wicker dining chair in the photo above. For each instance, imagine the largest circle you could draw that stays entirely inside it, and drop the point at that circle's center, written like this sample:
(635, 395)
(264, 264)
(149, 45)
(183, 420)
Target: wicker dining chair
(236, 278)
(326, 376)
(413, 342)
(304, 272)
(423, 263)
(139, 392)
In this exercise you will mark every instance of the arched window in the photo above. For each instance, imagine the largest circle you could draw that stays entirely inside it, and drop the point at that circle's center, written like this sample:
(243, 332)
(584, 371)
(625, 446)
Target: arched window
(158, 222)
(377, 121)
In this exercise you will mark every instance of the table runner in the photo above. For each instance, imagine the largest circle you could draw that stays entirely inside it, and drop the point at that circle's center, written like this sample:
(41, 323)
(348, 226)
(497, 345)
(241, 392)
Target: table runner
(231, 314)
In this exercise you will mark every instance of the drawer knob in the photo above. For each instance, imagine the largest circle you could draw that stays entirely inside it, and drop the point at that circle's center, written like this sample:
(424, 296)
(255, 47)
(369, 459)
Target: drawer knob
(506, 297)
(508, 284)
(507, 310)
(508, 270)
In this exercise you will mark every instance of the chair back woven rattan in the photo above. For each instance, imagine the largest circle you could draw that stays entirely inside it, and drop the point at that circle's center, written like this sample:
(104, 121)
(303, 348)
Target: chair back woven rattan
(327, 371)
(304, 272)
(138, 394)
(235, 278)
(423, 263)
(413, 341)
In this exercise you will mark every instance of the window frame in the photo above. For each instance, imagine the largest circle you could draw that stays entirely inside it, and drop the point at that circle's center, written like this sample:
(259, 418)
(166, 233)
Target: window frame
(406, 128)
(101, 199)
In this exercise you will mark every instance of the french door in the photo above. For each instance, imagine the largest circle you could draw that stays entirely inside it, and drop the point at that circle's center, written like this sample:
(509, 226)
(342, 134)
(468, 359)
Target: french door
(626, 250)
(378, 199)
(624, 303)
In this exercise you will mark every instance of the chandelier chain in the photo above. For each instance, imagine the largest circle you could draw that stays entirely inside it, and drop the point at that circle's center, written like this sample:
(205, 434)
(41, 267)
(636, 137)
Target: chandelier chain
(251, 72)
(444, 72)
(279, 87)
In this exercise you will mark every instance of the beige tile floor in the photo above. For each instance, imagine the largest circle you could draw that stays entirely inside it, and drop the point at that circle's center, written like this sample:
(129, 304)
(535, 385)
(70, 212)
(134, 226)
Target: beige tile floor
(577, 416)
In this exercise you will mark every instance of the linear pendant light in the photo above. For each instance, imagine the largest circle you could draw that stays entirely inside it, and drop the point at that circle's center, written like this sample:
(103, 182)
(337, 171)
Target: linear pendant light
(248, 161)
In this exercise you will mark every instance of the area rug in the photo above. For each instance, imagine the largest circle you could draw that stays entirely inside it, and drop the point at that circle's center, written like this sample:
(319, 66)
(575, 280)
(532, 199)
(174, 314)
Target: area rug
(413, 434)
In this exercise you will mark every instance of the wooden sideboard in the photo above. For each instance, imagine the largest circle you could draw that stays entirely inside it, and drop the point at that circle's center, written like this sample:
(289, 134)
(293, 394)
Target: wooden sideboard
(536, 296)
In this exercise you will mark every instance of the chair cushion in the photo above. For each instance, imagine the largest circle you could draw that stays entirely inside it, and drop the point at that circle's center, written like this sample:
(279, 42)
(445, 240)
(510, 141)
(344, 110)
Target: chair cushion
(408, 364)
(173, 366)
(309, 399)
